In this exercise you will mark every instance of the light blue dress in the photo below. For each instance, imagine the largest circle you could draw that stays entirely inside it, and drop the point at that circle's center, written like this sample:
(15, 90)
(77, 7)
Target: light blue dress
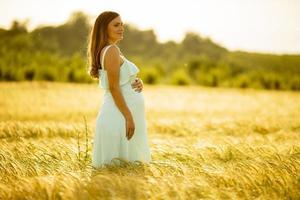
(110, 132)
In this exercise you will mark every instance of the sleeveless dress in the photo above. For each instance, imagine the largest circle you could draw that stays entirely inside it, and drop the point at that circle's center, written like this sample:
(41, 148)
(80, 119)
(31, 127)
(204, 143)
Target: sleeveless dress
(110, 140)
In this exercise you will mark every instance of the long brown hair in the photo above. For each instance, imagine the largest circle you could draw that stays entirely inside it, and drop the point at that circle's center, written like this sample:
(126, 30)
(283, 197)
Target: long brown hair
(98, 39)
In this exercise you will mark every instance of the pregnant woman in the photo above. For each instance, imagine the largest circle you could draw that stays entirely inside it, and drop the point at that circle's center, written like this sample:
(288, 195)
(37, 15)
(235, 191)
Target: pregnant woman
(121, 128)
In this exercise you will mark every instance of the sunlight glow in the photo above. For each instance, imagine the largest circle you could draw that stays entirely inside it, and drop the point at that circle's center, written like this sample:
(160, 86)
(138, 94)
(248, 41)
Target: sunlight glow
(270, 26)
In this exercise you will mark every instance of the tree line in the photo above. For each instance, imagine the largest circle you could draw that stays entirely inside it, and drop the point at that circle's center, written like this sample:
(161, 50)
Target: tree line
(58, 53)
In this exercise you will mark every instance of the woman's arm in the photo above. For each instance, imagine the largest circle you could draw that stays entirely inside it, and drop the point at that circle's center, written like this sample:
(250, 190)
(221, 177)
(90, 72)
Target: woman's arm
(112, 66)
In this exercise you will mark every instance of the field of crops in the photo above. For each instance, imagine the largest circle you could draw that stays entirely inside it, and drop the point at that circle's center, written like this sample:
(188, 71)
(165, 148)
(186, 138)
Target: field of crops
(206, 143)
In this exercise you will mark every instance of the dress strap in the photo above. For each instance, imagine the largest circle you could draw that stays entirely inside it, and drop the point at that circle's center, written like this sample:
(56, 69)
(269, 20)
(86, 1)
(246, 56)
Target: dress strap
(106, 48)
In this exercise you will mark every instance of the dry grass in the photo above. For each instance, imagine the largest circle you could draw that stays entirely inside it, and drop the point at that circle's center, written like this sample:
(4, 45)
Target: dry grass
(205, 143)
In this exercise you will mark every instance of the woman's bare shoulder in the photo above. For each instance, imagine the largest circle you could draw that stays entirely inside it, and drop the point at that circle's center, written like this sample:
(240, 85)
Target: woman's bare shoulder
(111, 59)
(111, 50)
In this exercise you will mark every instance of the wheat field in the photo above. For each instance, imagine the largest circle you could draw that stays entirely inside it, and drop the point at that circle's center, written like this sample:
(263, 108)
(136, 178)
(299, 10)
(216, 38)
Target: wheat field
(206, 143)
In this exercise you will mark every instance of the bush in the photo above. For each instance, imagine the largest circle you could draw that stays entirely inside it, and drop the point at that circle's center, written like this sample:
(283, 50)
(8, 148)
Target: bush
(29, 74)
(150, 75)
(180, 77)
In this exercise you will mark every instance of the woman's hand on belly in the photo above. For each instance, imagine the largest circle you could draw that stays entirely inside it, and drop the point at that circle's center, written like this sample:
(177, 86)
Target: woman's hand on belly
(137, 85)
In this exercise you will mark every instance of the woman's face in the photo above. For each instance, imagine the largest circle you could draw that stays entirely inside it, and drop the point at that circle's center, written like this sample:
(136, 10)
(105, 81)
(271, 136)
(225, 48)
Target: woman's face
(115, 29)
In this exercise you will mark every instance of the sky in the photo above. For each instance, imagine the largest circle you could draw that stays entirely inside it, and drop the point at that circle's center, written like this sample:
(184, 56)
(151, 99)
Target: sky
(265, 26)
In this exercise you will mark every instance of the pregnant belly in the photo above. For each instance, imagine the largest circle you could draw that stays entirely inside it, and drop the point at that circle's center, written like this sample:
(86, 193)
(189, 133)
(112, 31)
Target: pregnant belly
(133, 99)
